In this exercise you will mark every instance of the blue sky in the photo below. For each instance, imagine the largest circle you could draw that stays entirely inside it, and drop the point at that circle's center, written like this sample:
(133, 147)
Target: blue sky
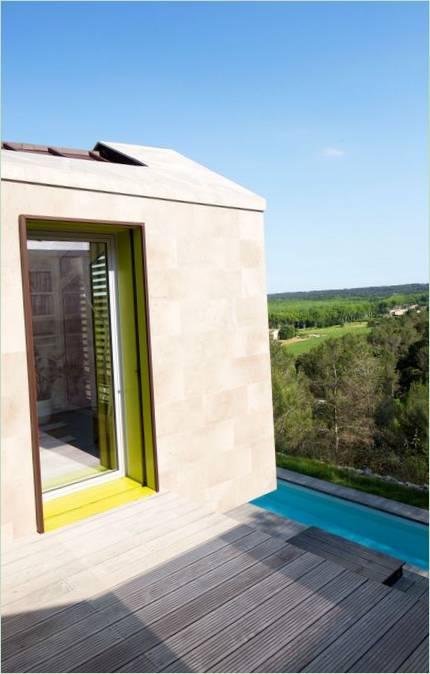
(319, 107)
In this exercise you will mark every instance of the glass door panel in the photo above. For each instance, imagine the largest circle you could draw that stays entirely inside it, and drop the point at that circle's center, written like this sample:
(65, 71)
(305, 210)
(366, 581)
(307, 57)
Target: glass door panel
(71, 319)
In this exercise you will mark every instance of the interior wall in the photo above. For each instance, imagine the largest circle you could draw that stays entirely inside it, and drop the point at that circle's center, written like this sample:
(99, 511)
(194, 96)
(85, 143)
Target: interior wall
(209, 346)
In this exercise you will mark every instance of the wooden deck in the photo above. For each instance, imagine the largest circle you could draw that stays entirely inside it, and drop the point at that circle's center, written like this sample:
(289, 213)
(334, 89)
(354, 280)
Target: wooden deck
(165, 585)
(264, 520)
(369, 563)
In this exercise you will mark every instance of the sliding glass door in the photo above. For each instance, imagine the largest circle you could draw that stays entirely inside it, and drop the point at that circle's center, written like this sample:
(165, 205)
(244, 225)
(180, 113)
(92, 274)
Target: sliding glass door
(74, 323)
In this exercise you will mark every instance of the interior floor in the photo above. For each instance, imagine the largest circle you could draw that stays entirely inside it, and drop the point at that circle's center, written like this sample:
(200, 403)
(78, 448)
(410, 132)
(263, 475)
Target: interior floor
(62, 463)
(68, 452)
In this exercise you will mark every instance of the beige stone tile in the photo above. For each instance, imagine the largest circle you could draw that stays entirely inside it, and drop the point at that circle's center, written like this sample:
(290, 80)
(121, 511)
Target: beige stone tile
(206, 315)
(208, 377)
(160, 249)
(249, 369)
(250, 427)
(165, 317)
(224, 225)
(207, 346)
(250, 341)
(165, 348)
(251, 311)
(12, 311)
(249, 487)
(6, 533)
(192, 476)
(222, 495)
(225, 404)
(259, 396)
(251, 253)
(207, 284)
(14, 399)
(252, 227)
(162, 284)
(212, 222)
(253, 282)
(17, 492)
(169, 479)
(169, 382)
(209, 252)
(192, 446)
(12, 320)
(198, 251)
(262, 451)
(179, 416)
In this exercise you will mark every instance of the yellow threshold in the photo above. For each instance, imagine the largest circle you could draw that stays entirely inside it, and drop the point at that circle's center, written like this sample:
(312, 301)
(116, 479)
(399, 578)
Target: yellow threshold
(64, 510)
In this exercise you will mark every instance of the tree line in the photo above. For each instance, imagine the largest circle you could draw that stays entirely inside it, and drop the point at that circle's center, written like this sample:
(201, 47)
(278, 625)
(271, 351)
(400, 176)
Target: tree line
(359, 400)
(323, 313)
(369, 292)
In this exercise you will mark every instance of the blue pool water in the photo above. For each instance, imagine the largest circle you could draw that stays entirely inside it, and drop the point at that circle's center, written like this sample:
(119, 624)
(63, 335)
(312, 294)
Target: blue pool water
(399, 537)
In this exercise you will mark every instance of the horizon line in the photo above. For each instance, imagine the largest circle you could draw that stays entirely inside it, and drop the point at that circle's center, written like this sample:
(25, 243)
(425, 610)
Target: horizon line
(319, 290)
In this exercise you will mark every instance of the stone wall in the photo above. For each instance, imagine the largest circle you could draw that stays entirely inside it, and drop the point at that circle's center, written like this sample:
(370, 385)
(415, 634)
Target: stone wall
(210, 350)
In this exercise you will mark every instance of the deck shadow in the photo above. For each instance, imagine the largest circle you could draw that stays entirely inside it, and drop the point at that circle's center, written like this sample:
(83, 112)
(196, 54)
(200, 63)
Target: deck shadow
(229, 590)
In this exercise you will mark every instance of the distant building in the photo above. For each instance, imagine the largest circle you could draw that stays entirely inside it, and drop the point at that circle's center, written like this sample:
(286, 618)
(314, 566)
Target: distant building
(401, 311)
(274, 333)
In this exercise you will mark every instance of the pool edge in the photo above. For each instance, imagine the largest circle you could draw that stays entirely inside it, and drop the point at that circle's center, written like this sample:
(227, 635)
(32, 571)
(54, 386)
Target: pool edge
(363, 498)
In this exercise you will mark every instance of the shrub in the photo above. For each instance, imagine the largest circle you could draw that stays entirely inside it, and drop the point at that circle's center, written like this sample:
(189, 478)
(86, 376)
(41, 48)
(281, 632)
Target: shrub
(287, 331)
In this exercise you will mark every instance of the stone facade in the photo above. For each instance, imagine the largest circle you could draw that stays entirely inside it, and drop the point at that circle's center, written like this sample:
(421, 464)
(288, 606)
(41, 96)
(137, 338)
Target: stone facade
(209, 336)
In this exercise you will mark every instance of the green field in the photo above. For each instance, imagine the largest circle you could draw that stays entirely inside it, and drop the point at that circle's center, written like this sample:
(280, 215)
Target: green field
(304, 342)
(334, 307)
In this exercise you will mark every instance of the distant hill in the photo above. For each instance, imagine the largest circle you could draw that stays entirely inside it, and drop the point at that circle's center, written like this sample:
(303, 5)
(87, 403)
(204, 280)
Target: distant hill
(372, 292)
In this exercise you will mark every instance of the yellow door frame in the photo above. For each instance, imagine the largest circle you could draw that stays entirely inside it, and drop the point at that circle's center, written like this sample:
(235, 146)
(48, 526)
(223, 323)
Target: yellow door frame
(133, 320)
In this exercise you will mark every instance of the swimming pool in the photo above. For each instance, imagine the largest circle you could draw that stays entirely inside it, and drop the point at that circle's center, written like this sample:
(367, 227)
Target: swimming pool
(397, 536)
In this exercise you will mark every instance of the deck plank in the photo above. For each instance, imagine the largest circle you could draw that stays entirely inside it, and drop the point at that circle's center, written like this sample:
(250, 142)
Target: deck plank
(266, 521)
(98, 579)
(92, 543)
(133, 653)
(387, 654)
(420, 587)
(112, 533)
(369, 563)
(357, 640)
(263, 553)
(98, 553)
(27, 644)
(48, 542)
(198, 591)
(217, 647)
(290, 624)
(294, 655)
(372, 571)
(91, 587)
(33, 565)
(351, 546)
(418, 661)
(219, 618)
(141, 637)
(37, 630)
(127, 617)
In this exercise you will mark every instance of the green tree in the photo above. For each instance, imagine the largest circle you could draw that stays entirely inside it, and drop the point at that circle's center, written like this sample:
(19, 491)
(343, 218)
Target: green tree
(401, 437)
(412, 420)
(292, 402)
(287, 331)
(413, 366)
(345, 379)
